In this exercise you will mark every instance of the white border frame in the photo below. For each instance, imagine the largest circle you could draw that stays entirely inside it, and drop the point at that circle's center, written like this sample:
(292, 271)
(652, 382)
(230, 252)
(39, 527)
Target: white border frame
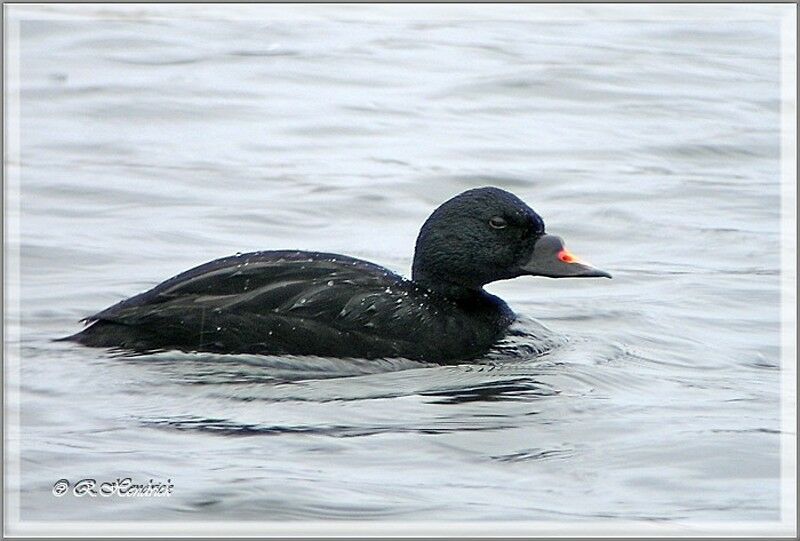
(787, 527)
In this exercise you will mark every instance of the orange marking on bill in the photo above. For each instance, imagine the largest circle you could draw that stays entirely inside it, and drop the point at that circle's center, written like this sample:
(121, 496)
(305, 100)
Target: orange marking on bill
(567, 257)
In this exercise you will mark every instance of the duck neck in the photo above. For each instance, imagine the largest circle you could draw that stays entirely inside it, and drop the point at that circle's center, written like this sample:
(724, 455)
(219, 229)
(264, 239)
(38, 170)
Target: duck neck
(447, 288)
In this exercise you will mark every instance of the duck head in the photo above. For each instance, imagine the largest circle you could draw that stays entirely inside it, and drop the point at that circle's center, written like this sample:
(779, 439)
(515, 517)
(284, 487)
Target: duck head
(488, 234)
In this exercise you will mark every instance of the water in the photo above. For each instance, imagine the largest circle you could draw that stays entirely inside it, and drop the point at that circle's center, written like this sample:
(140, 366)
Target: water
(652, 147)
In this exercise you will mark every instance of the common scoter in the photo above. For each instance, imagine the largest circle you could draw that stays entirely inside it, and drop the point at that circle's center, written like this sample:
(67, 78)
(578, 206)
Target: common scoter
(312, 303)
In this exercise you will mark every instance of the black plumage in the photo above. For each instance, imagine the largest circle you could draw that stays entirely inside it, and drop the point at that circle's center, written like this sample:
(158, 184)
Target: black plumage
(311, 303)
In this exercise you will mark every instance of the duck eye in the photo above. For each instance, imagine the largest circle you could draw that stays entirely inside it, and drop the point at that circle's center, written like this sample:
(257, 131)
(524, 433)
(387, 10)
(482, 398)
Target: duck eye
(497, 222)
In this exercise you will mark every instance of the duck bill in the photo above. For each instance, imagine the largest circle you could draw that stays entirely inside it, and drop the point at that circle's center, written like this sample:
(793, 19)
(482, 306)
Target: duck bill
(551, 259)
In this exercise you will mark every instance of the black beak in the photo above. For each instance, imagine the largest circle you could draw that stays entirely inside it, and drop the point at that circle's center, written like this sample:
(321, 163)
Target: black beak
(551, 259)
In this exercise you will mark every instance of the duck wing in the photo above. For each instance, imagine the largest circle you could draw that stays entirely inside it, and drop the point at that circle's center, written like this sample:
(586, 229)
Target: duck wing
(275, 302)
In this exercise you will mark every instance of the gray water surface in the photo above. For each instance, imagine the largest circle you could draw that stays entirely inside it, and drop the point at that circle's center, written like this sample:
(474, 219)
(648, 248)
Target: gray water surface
(652, 148)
